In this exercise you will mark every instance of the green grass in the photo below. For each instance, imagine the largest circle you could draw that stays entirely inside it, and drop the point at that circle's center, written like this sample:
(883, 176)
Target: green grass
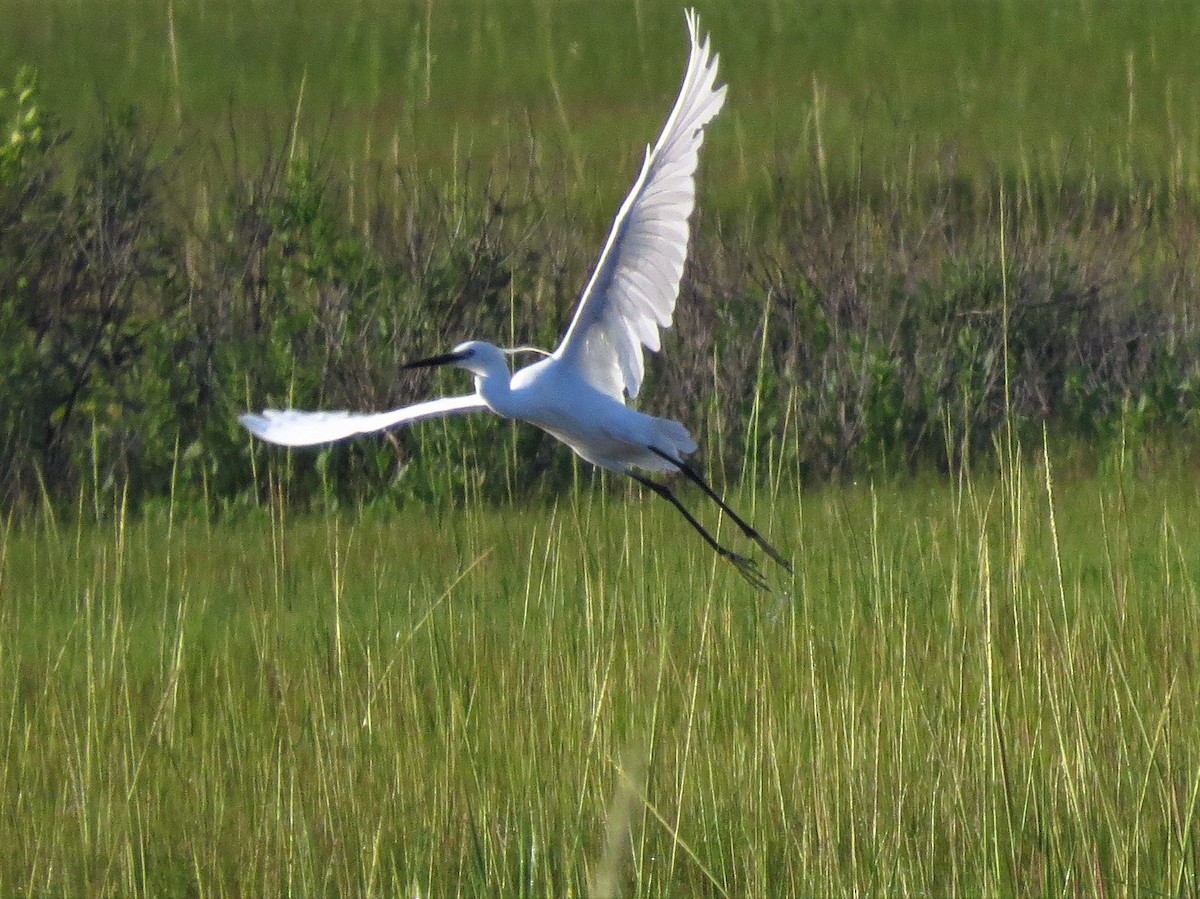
(982, 688)
(896, 90)
(986, 686)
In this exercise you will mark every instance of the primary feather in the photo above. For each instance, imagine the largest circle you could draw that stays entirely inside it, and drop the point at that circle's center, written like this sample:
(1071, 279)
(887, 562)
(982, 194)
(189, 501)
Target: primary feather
(288, 427)
(632, 292)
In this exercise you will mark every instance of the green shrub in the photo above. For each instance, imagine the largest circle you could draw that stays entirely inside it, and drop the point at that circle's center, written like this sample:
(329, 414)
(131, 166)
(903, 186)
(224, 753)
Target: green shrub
(833, 332)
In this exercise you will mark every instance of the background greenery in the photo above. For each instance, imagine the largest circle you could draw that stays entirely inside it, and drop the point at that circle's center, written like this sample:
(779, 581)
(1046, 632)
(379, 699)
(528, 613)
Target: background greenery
(938, 339)
(209, 208)
(1071, 87)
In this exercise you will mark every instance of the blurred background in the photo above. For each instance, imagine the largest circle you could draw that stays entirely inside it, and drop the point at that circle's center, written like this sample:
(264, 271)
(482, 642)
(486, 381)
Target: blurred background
(917, 220)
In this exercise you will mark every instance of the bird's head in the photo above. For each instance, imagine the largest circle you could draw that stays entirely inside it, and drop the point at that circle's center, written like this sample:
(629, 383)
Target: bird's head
(476, 356)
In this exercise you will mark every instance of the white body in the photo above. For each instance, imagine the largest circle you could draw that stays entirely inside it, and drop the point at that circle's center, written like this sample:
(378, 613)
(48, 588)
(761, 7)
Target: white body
(552, 395)
(578, 392)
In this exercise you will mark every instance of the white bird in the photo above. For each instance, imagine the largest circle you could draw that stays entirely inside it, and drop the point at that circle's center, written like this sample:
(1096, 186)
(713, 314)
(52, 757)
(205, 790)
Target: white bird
(578, 393)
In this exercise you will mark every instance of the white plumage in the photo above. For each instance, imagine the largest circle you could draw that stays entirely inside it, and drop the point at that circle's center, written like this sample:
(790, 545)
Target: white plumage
(288, 427)
(578, 392)
(632, 292)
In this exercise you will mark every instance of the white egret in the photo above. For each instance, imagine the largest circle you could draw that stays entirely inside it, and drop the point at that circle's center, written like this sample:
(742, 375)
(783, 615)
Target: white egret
(578, 393)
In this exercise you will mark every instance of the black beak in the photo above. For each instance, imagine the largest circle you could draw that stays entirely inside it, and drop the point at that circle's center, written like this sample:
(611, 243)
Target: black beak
(443, 359)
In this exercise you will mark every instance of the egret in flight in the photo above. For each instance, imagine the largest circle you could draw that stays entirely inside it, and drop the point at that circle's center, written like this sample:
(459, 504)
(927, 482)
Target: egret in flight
(578, 393)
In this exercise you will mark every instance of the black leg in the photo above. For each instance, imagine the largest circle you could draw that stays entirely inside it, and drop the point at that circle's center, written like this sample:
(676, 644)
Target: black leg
(747, 568)
(691, 474)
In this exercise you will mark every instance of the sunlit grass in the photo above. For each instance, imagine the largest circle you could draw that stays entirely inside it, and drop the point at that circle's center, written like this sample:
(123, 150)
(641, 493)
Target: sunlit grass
(891, 90)
(982, 688)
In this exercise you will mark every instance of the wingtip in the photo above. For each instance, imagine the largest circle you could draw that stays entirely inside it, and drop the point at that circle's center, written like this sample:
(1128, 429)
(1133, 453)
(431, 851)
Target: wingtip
(703, 62)
(252, 422)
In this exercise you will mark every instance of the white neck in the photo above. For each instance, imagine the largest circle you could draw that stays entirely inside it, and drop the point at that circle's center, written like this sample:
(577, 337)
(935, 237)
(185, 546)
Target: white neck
(495, 386)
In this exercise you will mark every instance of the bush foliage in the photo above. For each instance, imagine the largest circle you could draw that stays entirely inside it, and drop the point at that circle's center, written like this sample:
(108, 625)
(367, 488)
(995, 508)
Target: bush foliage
(883, 327)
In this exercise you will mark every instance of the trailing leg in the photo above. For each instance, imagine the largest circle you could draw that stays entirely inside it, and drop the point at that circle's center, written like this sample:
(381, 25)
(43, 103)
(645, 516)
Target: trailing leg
(747, 568)
(692, 475)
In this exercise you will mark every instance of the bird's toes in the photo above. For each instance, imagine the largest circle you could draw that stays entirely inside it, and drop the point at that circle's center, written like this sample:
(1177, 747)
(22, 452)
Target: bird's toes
(749, 570)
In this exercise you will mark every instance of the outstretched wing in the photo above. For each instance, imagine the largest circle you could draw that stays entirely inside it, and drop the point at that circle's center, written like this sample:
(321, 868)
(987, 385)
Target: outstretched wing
(632, 291)
(291, 428)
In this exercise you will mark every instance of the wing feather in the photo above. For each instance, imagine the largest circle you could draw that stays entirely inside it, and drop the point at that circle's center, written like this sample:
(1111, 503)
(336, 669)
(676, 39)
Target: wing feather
(632, 291)
(289, 427)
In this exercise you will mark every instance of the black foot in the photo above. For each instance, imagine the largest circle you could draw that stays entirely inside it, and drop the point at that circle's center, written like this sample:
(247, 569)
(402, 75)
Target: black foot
(747, 568)
(746, 528)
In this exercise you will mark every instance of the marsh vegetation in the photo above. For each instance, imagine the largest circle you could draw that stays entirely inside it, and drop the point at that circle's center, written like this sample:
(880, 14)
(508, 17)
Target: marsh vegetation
(938, 338)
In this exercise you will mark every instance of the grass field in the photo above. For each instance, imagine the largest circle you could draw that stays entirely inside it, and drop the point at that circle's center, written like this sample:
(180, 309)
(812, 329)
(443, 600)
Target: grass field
(895, 89)
(979, 685)
(987, 687)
